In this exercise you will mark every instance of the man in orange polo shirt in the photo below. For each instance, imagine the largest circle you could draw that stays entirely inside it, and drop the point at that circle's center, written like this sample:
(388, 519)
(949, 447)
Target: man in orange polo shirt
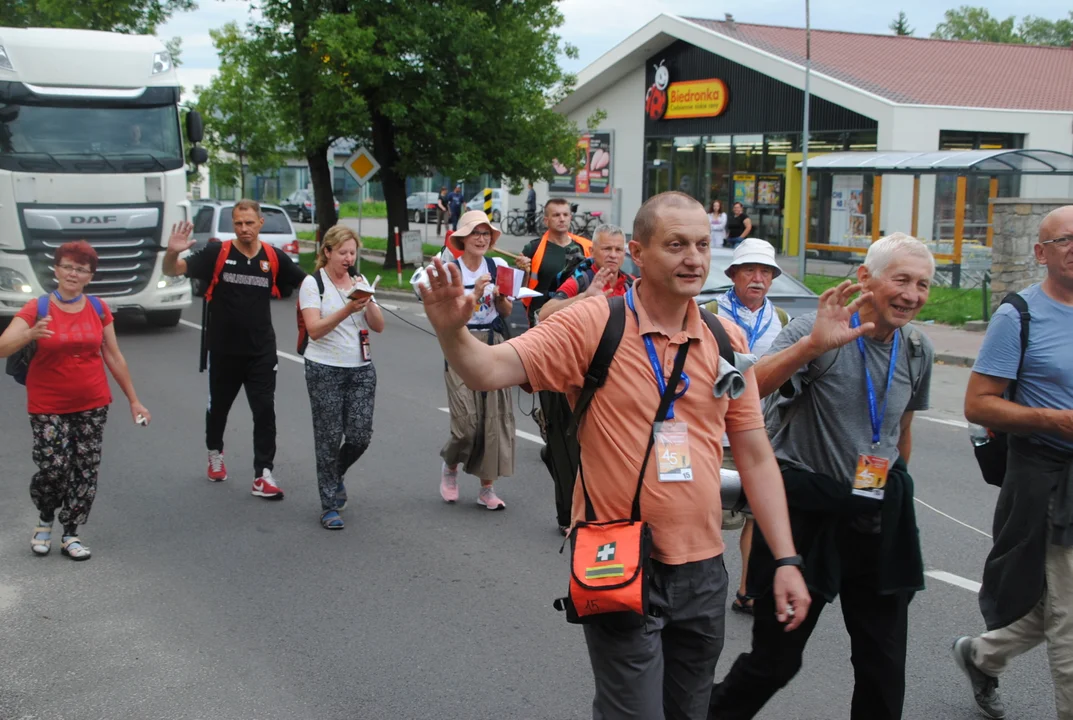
(664, 669)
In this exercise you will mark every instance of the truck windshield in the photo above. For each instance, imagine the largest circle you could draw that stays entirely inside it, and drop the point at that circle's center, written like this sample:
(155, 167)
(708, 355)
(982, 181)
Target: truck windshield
(65, 139)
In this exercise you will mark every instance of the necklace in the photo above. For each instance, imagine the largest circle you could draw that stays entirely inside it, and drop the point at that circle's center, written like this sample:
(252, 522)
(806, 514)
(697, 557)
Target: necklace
(59, 298)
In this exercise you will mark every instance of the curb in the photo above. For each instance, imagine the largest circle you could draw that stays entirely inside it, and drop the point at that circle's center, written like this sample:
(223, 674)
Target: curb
(954, 360)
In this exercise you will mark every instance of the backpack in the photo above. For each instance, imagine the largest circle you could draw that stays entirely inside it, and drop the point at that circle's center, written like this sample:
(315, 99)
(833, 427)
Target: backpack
(991, 453)
(303, 335)
(563, 450)
(221, 262)
(18, 363)
(783, 316)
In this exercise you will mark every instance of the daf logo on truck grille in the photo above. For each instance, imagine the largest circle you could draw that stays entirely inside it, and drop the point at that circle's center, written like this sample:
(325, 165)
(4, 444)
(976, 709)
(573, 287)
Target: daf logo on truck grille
(93, 219)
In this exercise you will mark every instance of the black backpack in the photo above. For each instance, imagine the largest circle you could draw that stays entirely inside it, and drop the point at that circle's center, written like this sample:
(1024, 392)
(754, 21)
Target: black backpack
(563, 453)
(991, 454)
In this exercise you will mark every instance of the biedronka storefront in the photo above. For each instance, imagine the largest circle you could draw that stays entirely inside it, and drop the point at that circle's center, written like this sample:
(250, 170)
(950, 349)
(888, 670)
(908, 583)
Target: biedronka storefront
(714, 108)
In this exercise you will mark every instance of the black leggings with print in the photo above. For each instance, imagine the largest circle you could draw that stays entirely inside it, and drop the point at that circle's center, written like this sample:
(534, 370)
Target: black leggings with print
(67, 452)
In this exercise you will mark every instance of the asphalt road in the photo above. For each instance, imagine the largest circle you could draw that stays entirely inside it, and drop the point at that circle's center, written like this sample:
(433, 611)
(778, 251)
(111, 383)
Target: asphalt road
(203, 602)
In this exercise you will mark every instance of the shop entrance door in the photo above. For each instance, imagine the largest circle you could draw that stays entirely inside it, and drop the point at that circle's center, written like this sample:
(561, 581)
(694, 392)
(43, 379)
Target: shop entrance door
(657, 178)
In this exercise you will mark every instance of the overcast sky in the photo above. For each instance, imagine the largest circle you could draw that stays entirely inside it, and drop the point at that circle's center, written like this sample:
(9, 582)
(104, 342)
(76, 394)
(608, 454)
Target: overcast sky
(596, 26)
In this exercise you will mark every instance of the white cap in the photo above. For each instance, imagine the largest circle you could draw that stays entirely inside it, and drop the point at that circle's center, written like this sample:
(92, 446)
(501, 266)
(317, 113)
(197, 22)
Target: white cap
(753, 251)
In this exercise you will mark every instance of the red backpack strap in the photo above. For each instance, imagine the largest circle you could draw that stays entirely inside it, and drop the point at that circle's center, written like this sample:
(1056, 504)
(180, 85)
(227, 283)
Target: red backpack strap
(221, 260)
(273, 264)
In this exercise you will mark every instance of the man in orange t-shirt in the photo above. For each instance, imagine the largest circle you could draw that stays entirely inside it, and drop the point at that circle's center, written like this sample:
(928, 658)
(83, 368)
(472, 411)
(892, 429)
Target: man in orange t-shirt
(664, 668)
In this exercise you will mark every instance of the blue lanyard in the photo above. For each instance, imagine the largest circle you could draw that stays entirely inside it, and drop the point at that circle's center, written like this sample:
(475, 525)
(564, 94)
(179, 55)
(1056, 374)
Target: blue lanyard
(66, 302)
(875, 414)
(657, 367)
(754, 333)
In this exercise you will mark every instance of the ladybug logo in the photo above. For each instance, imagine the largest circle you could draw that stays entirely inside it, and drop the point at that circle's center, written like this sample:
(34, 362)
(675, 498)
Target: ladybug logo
(656, 97)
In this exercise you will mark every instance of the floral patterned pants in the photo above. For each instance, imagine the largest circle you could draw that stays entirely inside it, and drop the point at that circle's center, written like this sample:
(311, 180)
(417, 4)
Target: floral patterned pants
(67, 452)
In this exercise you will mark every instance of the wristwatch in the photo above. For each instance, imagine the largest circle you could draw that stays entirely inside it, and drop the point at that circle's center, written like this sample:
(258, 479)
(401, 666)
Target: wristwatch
(795, 560)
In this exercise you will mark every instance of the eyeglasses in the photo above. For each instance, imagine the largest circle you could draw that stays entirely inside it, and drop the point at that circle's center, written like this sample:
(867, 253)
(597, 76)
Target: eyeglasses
(75, 269)
(484, 235)
(1061, 242)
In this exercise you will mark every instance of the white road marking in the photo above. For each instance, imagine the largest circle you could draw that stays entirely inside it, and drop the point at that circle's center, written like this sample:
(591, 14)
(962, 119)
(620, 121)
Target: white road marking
(389, 307)
(940, 575)
(943, 421)
(520, 433)
(953, 579)
(284, 355)
(951, 517)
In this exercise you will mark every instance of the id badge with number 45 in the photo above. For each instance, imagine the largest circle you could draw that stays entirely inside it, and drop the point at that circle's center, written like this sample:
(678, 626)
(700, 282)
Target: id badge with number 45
(672, 451)
(870, 480)
(366, 354)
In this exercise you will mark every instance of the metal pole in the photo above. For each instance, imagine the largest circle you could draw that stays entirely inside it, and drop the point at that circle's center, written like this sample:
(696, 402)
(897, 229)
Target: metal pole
(803, 219)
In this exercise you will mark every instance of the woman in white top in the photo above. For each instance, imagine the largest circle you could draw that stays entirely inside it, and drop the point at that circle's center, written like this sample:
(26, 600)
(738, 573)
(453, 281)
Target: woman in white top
(718, 220)
(339, 371)
(482, 423)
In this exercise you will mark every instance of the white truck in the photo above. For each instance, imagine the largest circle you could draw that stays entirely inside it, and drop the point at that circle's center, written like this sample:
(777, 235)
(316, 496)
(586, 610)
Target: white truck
(91, 149)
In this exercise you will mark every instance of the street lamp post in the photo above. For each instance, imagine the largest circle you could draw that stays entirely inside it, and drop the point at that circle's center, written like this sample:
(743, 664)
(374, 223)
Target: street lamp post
(803, 218)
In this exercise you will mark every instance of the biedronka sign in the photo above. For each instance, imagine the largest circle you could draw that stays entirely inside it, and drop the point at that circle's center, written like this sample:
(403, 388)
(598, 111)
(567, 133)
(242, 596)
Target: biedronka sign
(665, 100)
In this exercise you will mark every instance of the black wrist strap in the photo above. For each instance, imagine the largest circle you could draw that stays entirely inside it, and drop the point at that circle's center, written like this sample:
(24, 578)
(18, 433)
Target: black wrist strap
(794, 560)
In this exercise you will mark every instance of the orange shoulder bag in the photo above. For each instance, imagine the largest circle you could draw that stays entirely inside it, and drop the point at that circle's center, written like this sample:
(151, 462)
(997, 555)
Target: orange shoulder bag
(611, 561)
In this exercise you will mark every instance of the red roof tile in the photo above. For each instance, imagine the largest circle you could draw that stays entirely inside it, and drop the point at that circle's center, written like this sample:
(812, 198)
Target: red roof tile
(923, 70)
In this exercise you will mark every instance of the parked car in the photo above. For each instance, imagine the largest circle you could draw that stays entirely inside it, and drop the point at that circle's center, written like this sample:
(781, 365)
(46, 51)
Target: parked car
(420, 206)
(787, 292)
(212, 223)
(477, 203)
(299, 205)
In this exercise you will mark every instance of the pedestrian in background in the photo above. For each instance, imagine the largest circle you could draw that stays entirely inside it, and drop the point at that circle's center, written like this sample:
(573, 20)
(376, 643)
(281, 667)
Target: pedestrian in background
(340, 374)
(482, 423)
(1027, 592)
(717, 220)
(530, 210)
(455, 201)
(738, 226)
(441, 210)
(67, 394)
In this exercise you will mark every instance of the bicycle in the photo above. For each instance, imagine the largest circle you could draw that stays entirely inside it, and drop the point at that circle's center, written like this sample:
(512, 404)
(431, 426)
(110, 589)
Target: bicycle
(516, 222)
(587, 223)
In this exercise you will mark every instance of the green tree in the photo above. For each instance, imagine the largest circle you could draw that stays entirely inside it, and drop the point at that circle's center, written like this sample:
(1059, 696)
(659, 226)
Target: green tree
(976, 23)
(242, 126)
(900, 25)
(1040, 31)
(462, 86)
(125, 16)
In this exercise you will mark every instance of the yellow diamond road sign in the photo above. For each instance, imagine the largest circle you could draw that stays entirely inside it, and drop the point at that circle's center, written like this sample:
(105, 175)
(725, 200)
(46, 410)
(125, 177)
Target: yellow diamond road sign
(362, 166)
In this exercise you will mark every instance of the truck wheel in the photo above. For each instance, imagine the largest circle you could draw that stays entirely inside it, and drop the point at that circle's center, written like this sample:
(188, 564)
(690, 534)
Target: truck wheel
(163, 318)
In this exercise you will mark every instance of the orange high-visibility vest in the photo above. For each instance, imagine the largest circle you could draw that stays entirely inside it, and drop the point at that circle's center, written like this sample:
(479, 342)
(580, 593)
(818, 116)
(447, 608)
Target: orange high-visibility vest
(538, 257)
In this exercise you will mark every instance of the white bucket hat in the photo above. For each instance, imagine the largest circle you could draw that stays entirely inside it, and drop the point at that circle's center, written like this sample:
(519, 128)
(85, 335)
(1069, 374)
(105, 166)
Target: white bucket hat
(753, 251)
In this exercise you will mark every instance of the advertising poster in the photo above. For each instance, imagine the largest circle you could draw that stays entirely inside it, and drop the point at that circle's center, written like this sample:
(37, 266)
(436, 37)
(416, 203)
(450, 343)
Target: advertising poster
(769, 190)
(744, 189)
(593, 168)
(847, 216)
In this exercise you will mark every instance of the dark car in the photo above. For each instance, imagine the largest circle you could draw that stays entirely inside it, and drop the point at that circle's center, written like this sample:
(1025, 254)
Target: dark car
(420, 206)
(786, 291)
(299, 205)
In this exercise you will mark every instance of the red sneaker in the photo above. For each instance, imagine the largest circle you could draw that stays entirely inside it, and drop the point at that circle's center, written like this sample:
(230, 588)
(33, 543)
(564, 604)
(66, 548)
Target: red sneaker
(266, 487)
(217, 469)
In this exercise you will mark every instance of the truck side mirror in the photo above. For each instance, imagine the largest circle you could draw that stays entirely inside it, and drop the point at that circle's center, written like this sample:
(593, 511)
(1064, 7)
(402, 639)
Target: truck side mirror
(199, 155)
(195, 130)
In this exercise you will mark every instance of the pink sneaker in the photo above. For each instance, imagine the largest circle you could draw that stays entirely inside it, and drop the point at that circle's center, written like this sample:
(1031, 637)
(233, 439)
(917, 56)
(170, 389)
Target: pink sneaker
(489, 499)
(449, 484)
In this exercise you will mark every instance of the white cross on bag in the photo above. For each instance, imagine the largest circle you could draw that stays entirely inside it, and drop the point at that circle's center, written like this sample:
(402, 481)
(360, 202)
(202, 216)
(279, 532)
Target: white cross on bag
(606, 552)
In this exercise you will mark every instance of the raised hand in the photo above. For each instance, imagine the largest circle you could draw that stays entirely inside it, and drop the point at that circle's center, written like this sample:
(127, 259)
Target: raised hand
(447, 304)
(180, 240)
(602, 283)
(523, 263)
(40, 329)
(832, 328)
(480, 286)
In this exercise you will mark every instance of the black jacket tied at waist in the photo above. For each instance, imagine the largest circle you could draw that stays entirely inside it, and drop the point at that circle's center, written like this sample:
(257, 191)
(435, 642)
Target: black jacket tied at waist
(1038, 479)
(822, 511)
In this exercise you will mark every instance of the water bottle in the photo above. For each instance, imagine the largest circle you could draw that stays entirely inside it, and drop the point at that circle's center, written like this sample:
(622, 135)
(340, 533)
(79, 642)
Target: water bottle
(979, 435)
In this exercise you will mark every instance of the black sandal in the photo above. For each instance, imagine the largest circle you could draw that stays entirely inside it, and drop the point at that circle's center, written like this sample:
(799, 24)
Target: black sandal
(739, 604)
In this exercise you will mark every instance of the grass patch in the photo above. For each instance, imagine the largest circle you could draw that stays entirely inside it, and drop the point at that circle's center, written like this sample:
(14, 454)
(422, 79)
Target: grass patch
(374, 209)
(945, 305)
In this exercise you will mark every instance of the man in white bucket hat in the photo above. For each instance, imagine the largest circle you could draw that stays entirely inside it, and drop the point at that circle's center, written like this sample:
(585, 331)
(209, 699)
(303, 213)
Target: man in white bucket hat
(752, 271)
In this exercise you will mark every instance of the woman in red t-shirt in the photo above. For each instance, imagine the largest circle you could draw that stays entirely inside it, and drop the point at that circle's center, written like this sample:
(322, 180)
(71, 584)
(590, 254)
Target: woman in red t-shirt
(68, 395)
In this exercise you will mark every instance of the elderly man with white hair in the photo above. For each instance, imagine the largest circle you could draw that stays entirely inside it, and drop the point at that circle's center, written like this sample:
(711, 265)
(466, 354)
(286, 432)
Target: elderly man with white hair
(844, 383)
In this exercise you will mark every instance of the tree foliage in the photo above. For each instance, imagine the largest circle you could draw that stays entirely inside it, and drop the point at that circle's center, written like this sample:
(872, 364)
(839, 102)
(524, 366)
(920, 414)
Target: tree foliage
(460, 86)
(125, 16)
(900, 25)
(976, 23)
(241, 122)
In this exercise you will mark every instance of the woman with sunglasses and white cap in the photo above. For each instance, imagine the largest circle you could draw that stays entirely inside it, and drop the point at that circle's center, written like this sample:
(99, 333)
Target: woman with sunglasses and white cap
(68, 395)
(482, 423)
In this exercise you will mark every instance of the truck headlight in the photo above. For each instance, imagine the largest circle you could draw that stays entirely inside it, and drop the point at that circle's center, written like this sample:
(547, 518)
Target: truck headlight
(161, 62)
(166, 281)
(5, 61)
(13, 281)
